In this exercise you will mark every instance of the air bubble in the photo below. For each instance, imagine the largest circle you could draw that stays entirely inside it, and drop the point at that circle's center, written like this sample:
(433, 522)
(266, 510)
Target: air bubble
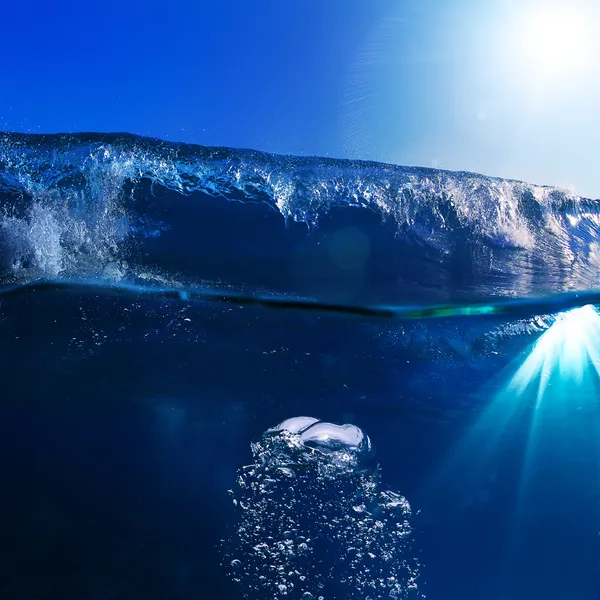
(329, 437)
(295, 424)
(302, 542)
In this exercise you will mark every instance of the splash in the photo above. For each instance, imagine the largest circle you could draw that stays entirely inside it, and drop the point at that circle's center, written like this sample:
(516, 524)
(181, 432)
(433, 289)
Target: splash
(314, 521)
(91, 205)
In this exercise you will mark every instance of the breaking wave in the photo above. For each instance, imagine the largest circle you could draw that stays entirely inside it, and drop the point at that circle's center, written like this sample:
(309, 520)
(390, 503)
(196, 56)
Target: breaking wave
(125, 207)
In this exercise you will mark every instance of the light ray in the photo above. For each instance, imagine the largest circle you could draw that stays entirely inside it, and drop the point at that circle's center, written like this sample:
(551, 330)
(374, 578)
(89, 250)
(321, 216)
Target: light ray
(556, 386)
(565, 350)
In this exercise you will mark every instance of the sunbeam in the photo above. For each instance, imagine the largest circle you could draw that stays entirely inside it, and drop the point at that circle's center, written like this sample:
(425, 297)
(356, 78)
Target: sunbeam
(546, 402)
(565, 350)
(559, 379)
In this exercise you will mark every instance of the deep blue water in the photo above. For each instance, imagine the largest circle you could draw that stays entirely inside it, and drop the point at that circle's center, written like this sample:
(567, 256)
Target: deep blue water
(127, 414)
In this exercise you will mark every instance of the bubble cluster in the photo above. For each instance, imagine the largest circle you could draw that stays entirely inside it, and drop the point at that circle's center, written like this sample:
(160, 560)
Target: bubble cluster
(314, 522)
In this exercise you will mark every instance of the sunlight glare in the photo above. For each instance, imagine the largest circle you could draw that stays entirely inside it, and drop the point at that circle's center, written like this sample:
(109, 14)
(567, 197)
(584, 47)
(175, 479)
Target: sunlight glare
(550, 392)
(555, 40)
(566, 349)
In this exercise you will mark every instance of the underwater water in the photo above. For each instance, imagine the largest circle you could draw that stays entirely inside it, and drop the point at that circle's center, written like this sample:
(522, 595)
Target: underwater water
(229, 374)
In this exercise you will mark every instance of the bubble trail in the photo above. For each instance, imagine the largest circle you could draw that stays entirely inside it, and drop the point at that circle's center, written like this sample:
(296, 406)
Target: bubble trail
(313, 521)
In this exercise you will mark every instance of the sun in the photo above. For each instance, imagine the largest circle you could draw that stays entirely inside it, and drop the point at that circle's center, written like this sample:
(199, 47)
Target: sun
(555, 40)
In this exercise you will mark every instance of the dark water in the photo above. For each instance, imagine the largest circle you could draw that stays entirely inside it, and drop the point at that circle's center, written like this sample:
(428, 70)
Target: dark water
(126, 415)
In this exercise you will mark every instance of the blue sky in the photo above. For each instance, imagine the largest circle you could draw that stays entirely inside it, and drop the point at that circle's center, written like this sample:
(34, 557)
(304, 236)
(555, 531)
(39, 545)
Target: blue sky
(459, 84)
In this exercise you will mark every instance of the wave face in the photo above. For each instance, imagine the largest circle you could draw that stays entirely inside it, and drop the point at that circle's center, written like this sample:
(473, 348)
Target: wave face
(122, 207)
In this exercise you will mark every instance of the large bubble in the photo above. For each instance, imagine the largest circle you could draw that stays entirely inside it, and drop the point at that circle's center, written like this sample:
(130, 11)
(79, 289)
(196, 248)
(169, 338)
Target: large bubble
(314, 522)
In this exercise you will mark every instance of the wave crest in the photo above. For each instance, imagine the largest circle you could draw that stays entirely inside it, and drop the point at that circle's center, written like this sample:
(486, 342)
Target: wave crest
(82, 205)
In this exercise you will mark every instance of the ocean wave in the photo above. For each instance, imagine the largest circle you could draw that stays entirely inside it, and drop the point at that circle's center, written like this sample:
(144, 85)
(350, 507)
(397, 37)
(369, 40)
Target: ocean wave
(117, 206)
